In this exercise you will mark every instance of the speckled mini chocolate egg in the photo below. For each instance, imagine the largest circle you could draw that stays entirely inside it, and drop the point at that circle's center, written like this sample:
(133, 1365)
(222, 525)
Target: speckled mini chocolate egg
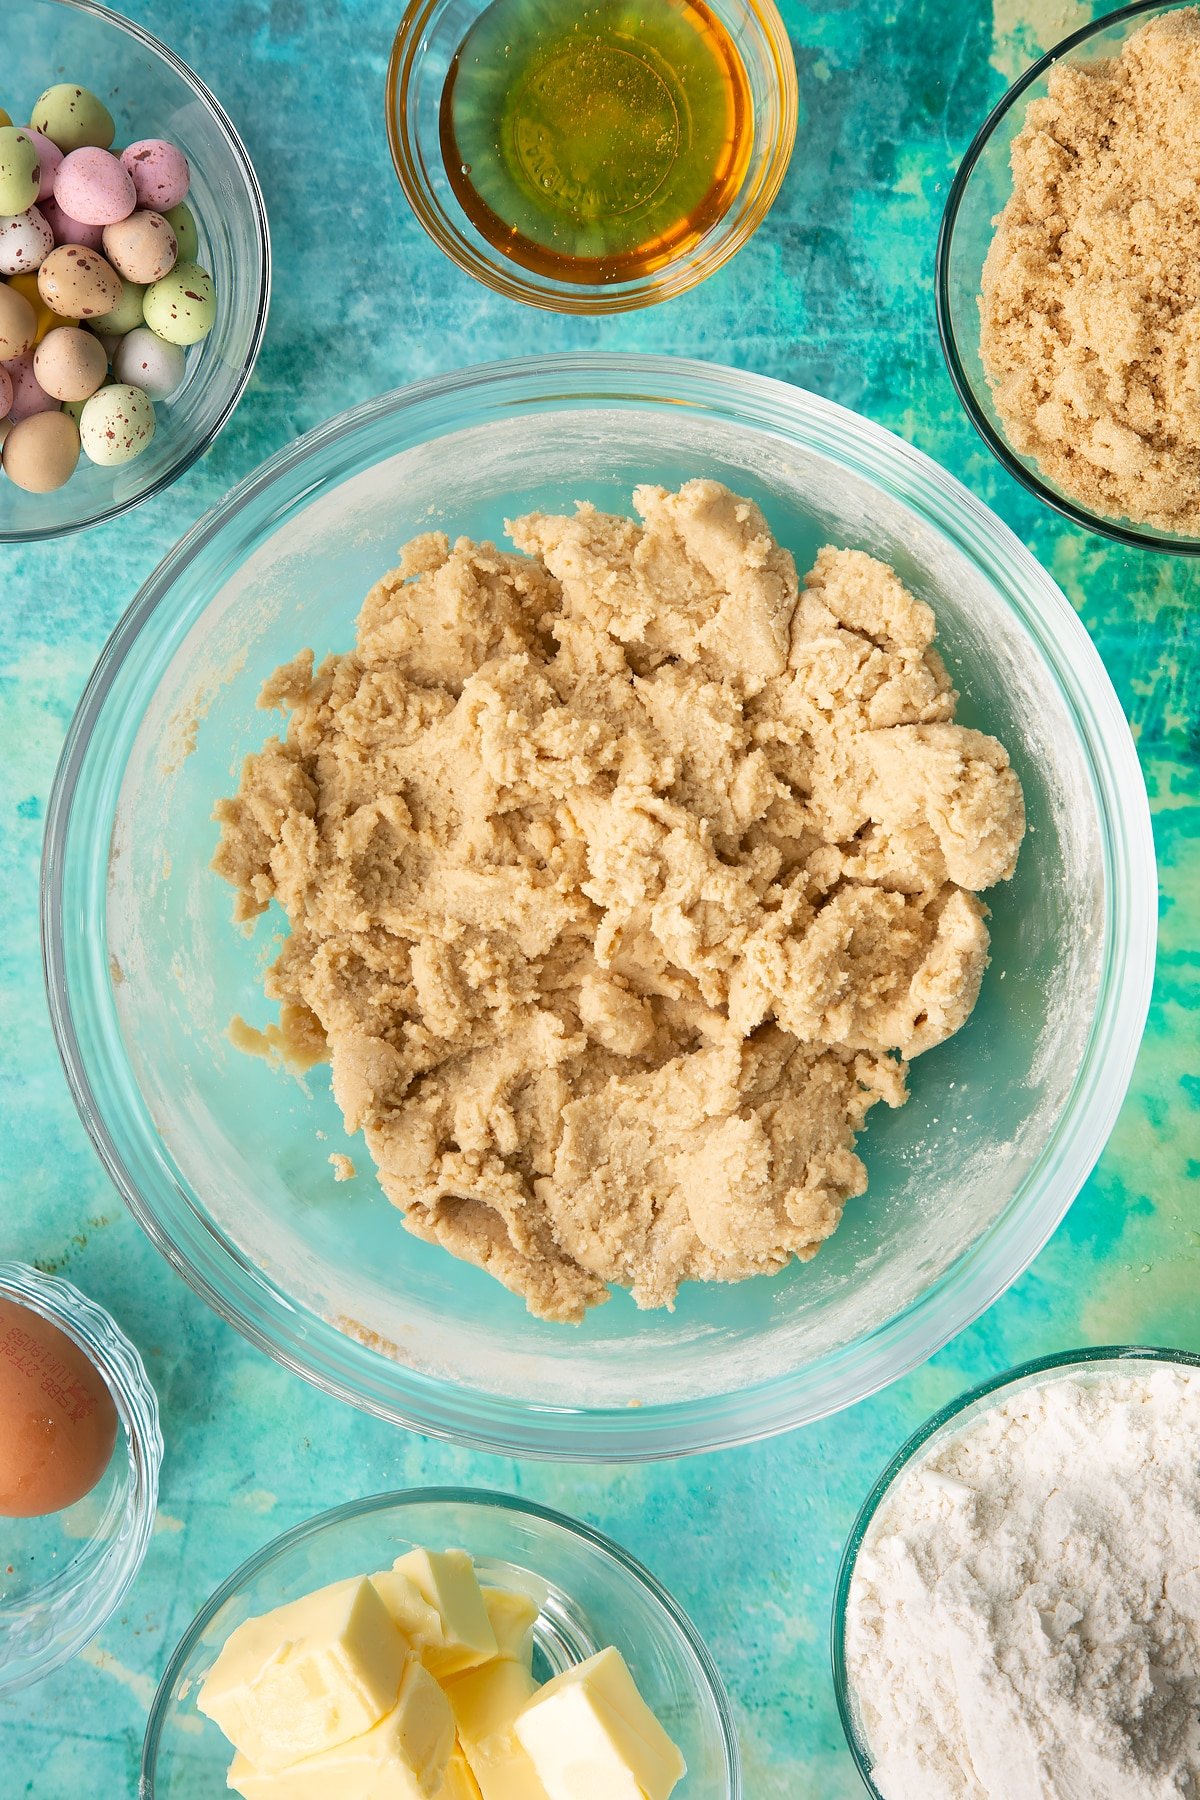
(44, 317)
(5, 118)
(160, 173)
(94, 187)
(182, 221)
(182, 308)
(40, 453)
(142, 248)
(68, 230)
(29, 396)
(18, 323)
(72, 116)
(70, 363)
(116, 424)
(147, 361)
(5, 391)
(20, 171)
(125, 315)
(26, 240)
(49, 158)
(78, 283)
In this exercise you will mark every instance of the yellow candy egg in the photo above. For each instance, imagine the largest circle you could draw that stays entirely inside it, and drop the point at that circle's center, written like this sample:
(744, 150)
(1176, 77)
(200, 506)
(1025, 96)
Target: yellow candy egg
(47, 319)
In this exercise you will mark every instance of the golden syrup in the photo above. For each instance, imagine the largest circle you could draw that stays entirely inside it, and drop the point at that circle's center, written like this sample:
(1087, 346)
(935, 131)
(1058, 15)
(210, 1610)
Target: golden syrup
(596, 140)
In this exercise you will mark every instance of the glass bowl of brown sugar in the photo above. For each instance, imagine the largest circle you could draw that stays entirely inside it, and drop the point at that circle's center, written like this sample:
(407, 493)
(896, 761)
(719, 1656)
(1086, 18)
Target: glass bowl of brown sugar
(1066, 273)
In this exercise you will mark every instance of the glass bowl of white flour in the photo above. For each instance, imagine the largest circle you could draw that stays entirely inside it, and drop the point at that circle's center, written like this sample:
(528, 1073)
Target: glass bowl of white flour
(1018, 1608)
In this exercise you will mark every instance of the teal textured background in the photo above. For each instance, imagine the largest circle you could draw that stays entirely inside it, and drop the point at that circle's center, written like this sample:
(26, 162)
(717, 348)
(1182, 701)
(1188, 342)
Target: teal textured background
(835, 293)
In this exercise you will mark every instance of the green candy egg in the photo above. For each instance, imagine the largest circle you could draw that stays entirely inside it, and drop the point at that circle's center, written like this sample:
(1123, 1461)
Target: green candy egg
(72, 117)
(125, 315)
(20, 170)
(116, 425)
(183, 224)
(182, 307)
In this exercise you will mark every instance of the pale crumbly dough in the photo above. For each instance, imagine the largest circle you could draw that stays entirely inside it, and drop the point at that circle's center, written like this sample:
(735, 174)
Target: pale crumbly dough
(1091, 289)
(622, 877)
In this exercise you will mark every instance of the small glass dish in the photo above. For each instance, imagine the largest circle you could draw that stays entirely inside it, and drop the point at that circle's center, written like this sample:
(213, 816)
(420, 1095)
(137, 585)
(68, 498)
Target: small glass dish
(430, 34)
(951, 1420)
(150, 93)
(589, 1593)
(62, 1575)
(977, 195)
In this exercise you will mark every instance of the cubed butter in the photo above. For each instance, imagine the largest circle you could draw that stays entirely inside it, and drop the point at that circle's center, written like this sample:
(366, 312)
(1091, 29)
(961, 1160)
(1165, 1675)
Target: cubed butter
(405, 1757)
(459, 1783)
(308, 1676)
(485, 1702)
(512, 1616)
(445, 1579)
(591, 1736)
(412, 1614)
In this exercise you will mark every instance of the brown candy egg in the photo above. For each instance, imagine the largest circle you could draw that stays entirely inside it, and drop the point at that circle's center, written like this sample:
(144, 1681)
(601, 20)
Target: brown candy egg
(18, 323)
(58, 1421)
(70, 363)
(142, 247)
(78, 283)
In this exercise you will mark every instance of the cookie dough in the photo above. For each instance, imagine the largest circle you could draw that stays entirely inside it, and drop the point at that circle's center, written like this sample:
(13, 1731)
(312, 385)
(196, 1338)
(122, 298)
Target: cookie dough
(623, 877)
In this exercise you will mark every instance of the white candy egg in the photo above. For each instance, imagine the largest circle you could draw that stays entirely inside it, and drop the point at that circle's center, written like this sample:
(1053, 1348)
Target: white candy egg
(26, 240)
(147, 361)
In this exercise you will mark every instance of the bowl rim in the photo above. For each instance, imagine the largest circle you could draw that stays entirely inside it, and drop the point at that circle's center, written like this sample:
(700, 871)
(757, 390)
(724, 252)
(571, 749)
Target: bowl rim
(589, 299)
(310, 1346)
(485, 1499)
(93, 1328)
(32, 534)
(1025, 1373)
(1140, 538)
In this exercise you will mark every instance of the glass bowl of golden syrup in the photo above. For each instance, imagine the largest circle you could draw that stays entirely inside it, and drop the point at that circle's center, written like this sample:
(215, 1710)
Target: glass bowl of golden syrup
(591, 155)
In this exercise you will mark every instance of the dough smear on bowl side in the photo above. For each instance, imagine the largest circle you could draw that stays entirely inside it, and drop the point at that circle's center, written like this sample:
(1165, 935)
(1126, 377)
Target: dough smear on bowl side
(623, 877)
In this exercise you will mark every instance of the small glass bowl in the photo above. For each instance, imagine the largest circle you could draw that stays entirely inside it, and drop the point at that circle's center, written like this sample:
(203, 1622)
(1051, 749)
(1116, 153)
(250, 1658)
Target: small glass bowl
(978, 193)
(62, 1575)
(430, 34)
(1103, 1361)
(151, 93)
(590, 1593)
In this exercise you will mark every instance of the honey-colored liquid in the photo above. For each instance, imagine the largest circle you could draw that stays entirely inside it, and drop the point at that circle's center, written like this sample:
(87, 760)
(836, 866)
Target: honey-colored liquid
(596, 140)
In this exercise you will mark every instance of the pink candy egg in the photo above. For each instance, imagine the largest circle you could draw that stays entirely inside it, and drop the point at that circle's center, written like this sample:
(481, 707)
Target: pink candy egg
(160, 173)
(26, 240)
(6, 396)
(93, 186)
(49, 156)
(68, 230)
(28, 394)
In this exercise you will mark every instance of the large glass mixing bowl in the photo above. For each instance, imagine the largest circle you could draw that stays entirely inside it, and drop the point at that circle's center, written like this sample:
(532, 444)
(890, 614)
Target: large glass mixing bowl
(223, 1159)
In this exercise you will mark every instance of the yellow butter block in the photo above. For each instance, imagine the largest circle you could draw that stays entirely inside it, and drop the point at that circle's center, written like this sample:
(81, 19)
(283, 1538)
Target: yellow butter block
(459, 1783)
(512, 1616)
(591, 1736)
(405, 1757)
(308, 1676)
(485, 1702)
(412, 1614)
(445, 1579)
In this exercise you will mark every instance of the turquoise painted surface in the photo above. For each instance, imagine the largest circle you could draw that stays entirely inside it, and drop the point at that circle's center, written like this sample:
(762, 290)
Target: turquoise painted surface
(836, 294)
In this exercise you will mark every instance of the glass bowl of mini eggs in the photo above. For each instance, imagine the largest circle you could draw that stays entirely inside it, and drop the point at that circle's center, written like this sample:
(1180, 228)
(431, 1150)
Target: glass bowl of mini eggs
(134, 267)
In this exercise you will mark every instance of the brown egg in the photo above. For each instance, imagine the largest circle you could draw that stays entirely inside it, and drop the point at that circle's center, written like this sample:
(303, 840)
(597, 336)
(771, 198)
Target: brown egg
(18, 323)
(70, 363)
(40, 454)
(78, 283)
(142, 247)
(58, 1423)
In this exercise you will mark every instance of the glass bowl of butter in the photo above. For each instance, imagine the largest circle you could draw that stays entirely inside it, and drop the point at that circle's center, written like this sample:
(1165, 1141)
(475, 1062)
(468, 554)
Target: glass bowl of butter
(447, 1643)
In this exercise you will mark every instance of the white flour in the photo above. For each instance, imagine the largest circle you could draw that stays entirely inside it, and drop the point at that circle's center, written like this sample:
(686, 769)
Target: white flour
(1024, 1619)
